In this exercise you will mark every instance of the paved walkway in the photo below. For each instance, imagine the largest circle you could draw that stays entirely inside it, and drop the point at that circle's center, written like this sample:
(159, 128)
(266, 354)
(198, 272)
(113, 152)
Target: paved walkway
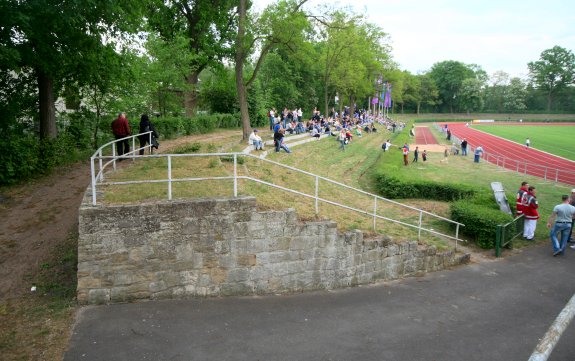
(494, 310)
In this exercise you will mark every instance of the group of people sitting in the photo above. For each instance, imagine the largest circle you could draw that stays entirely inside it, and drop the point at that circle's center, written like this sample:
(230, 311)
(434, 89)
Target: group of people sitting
(316, 126)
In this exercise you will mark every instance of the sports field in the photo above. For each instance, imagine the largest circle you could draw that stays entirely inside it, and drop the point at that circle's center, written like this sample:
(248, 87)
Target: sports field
(552, 138)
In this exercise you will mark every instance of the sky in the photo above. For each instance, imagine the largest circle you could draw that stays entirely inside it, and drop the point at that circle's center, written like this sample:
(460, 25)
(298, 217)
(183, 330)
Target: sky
(501, 35)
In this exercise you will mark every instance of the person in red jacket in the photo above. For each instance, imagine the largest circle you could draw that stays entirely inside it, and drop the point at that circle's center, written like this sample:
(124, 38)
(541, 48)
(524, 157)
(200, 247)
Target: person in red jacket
(121, 129)
(521, 193)
(531, 214)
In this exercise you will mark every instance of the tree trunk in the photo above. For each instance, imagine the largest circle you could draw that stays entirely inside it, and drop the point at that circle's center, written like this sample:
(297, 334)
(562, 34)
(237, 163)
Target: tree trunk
(98, 115)
(418, 107)
(239, 70)
(191, 96)
(549, 99)
(48, 128)
(325, 98)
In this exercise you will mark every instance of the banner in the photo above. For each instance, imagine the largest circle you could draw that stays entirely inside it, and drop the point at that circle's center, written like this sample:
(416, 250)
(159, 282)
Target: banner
(387, 102)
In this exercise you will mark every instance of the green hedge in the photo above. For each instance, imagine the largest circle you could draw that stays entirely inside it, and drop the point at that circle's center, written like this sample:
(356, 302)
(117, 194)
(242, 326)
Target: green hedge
(392, 187)
(480, 220)
(171, 127)
(25, 157)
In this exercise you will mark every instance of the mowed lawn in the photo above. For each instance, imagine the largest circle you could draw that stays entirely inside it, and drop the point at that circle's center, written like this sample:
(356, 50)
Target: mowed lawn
(554, 139)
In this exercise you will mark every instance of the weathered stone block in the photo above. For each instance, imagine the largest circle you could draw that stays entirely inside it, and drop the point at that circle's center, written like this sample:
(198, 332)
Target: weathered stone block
(246, 260)
(99, 296)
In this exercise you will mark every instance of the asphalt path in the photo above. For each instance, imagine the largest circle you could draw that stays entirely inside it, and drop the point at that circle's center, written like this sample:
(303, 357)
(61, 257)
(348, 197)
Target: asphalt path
(493, 310)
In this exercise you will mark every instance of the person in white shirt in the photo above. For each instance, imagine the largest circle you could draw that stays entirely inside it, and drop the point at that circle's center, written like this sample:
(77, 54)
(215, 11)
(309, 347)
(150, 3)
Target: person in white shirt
(256, 140)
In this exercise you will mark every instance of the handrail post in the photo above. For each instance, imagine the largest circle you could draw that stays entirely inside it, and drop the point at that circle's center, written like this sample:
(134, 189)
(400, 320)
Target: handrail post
(149, 143)
(419, 226)
(114, 155)
(456, 236)
(133, 148)
(100, 165)
(169, 177)
(374, 213)
(316, 195)
(93, 175)
(556, 175)
(498, 240)
(235, 175)
(545, 176)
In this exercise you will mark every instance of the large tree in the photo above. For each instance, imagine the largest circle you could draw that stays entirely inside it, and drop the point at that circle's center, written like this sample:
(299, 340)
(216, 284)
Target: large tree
(209, 27)
(280, 25)
(553, 72)
(449, 76)
(53, 40)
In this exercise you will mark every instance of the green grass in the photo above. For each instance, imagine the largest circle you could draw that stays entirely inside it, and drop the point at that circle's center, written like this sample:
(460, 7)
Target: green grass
(554, 139)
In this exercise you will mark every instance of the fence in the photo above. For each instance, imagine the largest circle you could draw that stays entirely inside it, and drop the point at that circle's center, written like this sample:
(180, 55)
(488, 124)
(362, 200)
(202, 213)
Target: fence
(99, 163)
(551, 174)
(506, 233)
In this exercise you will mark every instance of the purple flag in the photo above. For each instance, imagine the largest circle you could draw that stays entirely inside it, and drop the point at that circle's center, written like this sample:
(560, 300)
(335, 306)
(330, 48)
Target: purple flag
(387, 102)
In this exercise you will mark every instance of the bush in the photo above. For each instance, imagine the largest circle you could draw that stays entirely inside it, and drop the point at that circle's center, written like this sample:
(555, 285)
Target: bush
(24, 157)
(480, 220)
(392, 187)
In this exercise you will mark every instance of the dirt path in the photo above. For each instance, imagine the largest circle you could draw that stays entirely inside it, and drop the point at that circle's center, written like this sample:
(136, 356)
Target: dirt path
(37, 216)
(34, 218)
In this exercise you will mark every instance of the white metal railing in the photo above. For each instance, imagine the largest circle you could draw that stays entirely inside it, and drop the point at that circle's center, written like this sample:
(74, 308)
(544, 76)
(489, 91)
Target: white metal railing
(104, 161)
(553, 174)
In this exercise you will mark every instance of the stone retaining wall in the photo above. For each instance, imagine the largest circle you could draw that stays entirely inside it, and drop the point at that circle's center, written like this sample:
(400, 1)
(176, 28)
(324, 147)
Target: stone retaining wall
(221, 247)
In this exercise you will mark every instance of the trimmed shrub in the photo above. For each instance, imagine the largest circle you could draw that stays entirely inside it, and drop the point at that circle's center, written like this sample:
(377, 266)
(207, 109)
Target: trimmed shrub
(480, 221)
(392, 187)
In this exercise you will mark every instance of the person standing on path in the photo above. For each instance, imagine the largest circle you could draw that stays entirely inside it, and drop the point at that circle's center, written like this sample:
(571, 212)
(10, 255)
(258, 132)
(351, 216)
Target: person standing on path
(527, 143)
(464, 147)
(531, 214)
(519, 199)
(572, 202)
(121, 129)
(272, 116)
(563, 217)
(415, 155)
(341, 137)
(477, 154)
(147, 126)
(405, 151)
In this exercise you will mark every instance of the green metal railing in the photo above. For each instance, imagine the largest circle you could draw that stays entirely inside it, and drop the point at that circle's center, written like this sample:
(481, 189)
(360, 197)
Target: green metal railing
(506, 233)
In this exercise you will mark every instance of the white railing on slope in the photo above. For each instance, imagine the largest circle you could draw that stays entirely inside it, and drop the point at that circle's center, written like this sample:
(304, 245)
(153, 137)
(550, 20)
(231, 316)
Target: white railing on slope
(104, 161)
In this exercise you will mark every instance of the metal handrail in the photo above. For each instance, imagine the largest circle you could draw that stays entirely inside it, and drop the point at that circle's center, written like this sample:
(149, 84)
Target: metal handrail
(235, 177)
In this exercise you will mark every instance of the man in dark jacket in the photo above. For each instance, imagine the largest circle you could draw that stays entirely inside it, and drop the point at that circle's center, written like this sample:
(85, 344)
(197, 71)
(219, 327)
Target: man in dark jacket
(464, 147)
(145, 127)
(121, 129)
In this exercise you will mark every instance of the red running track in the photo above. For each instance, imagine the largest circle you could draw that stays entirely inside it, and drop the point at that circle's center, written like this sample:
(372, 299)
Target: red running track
(424, 136)
(517, 157)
